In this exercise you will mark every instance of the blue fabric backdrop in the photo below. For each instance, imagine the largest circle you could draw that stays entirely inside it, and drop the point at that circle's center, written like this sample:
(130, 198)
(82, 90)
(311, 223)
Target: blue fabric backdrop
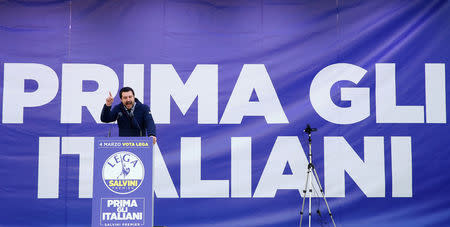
(293, 39)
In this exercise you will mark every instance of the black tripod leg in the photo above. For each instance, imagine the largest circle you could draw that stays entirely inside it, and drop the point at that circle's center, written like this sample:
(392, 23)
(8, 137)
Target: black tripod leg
(323, 196)
(304, 195)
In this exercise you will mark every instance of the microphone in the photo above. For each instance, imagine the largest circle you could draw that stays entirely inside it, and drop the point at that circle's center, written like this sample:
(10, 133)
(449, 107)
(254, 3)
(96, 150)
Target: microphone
(117, 118)
(119, 115)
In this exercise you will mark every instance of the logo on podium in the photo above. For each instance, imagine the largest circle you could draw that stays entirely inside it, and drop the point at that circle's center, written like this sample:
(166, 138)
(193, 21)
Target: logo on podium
(123, 172)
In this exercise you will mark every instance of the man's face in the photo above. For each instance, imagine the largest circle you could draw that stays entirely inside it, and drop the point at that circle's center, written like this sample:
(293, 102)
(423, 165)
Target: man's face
(127, 99)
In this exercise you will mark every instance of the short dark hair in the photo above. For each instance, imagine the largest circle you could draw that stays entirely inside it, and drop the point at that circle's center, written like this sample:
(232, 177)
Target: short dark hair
(125, 89)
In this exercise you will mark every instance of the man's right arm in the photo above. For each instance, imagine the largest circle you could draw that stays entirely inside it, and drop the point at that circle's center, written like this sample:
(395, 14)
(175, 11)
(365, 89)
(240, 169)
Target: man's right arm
(108, 115)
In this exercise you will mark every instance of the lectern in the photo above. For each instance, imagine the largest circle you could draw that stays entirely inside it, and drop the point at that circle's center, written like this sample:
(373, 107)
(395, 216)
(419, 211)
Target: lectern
(123, 182)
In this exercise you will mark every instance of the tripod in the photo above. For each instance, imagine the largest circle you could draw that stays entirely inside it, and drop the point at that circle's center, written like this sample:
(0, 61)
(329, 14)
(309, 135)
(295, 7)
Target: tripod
(309, 178)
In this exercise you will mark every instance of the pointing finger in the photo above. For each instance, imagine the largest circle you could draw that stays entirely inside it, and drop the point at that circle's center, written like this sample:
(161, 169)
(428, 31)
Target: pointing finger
(110, 94)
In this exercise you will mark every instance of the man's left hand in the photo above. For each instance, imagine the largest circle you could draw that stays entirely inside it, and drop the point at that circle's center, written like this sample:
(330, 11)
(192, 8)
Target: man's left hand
(154, 139)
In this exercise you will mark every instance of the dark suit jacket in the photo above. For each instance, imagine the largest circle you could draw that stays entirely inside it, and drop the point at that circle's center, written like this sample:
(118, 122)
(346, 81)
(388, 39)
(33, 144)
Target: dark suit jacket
(140, 123)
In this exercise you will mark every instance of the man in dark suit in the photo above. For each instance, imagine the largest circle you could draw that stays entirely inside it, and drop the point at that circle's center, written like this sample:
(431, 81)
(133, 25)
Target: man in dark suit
(133, 117)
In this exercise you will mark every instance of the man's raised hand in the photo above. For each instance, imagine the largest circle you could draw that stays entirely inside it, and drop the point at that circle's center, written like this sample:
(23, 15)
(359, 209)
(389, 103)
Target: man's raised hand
(109, 100)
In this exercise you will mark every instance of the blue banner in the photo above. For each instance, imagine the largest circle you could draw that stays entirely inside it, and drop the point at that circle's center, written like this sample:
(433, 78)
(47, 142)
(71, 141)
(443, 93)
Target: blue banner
(231, 86)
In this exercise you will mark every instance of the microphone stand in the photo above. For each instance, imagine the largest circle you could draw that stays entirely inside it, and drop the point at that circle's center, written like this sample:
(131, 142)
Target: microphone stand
(117, 118)
(309, 178)
(137, 123)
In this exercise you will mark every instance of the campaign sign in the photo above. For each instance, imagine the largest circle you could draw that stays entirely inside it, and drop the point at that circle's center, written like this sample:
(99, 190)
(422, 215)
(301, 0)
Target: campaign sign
(123, 188)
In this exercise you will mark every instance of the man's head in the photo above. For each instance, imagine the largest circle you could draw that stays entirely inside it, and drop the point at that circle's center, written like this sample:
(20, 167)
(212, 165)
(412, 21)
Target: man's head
(126, 95)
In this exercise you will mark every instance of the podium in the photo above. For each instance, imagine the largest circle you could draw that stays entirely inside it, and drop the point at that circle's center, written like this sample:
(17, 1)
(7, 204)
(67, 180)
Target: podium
(123, 182)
